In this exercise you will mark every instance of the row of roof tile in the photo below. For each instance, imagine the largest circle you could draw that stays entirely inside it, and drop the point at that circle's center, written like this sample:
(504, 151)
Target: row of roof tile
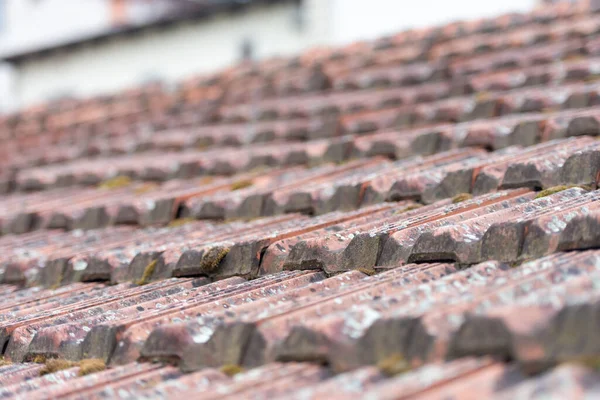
(321, 189)
(508, 225)
(155, 261)
(393, 321)
(467, 379)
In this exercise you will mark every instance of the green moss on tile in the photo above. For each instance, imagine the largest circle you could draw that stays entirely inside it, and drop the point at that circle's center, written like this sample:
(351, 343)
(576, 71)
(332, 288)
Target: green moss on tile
(117, 182)
(590, 361)
(259, 169)
(241, 219)
(39, 359)
(145, 188)
(394, 364)
(180, 222)
(415, 206)
(560, 188)
(592, 78)
(231, 369)
(148, 272)
(241, 184)
(459, 198)
(367, 271)
(482, 96)
(205, 180)
(58, 282)
(91, 366)
(56, 364)
(211, 260)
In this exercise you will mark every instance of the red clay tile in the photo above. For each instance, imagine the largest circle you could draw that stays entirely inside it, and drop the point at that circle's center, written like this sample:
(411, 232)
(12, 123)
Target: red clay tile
(15, 373)
(538, 288)
(226, 340)
(16, 329)
(37, 383)
(90, 383)
(437, 377)
(194, 383)
(351, 385)
(520, 86)
(469, 241)
(133, 328)
(566, 381)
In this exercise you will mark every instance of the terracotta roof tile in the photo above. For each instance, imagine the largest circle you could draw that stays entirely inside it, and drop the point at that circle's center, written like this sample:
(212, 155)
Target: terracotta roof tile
(570, 381)
(13, 373)
(358, 222)
(478, 377)
(38, 383)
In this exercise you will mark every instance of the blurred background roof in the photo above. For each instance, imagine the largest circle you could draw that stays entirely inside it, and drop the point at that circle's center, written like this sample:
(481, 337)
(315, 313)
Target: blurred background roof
(105, 45)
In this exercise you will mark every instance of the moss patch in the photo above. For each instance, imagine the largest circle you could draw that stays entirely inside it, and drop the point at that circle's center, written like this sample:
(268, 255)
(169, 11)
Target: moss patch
(259, 169)
(345, 161)
(241, 184)
(4, 362)
(205, 180)
(91, 366)
(514, 264)
(592, 78)
(180, 222)
(415, 206)
(39, 359)
(231, 369)
(459, 198)
(59, 280)
(591, 362)
(148, 272)
(393, 365)
(54, 365)
(482, 96)
(86, 367)
(241, 219)
(115, 183)
(313, 163)
(560, 188)
(213, 258)
(145, 188)
(551, 191)
(573, 57)
(367, 271)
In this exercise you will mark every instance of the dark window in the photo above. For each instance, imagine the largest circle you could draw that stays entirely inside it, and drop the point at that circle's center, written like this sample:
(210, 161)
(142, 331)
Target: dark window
(60, 95)
(247, 49)
(299, 15)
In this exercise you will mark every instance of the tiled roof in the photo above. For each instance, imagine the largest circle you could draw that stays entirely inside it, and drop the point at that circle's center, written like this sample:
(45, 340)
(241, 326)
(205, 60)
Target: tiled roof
(415, 217)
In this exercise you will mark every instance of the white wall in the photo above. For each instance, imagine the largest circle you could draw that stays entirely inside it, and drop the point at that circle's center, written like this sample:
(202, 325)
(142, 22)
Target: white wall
(30, 23)
(364, 19)
(171, 54)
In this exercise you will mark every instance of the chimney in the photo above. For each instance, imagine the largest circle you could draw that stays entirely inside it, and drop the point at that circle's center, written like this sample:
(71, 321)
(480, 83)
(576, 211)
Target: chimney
(118, 12)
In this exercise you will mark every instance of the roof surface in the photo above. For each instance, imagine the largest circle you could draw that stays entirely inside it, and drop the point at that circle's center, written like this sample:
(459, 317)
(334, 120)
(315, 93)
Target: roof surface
(415, 217)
